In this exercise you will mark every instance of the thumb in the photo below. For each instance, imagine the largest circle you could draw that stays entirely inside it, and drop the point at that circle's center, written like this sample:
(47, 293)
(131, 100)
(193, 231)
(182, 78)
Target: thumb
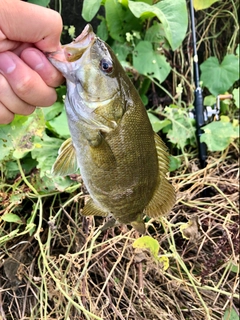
(26, 22)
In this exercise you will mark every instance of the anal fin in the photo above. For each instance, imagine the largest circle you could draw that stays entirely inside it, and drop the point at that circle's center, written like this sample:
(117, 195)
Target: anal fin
(91, 209)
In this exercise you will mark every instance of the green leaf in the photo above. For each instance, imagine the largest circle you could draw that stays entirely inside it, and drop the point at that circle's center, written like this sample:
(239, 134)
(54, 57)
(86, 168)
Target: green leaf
(219, 134)
(203, 4)
(59, 125)
(149, 62)
(121, 50)
(43, 3)
(209, 100)
(90, 8)
(156, 35)
(174, 164)
(230, 314)
(182, 131)
(147, 242)
(120, 20)
(45, 152)
(11, 167)
(51, 112)
(156, 123)
(102, 31)
(236, 96)
(218, 78)
(11, 217)
(168, 13)
(16, 137)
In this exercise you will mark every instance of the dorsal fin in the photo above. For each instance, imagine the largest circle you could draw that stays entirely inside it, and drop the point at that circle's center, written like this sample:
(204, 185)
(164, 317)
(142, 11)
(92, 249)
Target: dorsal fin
(66, 162)
(164, 196)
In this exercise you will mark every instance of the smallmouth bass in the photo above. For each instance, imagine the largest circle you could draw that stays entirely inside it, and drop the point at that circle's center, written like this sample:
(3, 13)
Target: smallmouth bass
(122, 161)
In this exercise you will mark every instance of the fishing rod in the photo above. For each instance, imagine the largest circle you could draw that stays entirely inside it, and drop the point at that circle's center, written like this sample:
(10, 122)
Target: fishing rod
(198, 102)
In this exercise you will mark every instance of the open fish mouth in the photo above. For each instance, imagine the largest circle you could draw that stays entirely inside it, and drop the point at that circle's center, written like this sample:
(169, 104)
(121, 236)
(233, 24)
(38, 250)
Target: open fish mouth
(74, 50)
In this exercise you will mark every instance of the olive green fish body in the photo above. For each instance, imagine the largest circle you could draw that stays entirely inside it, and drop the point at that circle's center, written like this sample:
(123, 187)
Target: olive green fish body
(122, 162)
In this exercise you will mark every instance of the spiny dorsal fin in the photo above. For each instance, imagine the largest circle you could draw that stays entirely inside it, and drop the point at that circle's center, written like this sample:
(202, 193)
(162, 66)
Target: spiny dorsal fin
(66, 162)
(91, 209)
(163, 156)
(164, 196)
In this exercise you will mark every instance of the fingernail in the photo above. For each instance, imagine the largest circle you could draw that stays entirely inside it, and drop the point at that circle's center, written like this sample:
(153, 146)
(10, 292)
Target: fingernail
(35, 60)
(7, 65)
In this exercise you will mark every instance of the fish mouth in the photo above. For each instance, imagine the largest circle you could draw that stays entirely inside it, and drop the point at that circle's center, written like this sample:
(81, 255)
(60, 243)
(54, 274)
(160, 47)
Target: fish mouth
(73, 51)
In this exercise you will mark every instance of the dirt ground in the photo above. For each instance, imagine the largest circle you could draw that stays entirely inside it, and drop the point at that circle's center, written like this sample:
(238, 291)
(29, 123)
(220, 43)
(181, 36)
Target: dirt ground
(67, 269)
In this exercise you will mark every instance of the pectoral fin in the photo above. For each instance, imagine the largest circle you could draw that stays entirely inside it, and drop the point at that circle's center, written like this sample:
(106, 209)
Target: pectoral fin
(66, 162)
(102, 154)
(164, 196)
(91, 209)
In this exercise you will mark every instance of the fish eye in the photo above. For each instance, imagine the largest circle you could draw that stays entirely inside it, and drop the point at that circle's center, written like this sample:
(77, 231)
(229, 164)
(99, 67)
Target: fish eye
(106, 65)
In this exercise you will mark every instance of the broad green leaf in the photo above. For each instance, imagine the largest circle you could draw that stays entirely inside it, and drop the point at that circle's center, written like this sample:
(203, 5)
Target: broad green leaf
(209, 100)
(219, 134)
(16, 138)
(203, 4)
(120, 20)
(230, 314)
(182, 131)
(43, 3)
(174, 164)
(51, 112)
(11, 167)
(45, 152)
(60, 125)
(47, 183)
(147, 242)
(11, 217)
(218, 78)
(149, 62)
(157, 36)
(236, 97)
(121, 50)
(156, 123)
(102, 31)
(90, 8)
(168, 12)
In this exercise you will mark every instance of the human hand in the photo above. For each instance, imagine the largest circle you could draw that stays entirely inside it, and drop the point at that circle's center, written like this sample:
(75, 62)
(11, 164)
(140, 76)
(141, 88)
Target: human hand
(27, 78)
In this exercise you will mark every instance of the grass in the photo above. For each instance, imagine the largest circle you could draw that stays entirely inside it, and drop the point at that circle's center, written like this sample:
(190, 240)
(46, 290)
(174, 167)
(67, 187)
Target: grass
(58, 265)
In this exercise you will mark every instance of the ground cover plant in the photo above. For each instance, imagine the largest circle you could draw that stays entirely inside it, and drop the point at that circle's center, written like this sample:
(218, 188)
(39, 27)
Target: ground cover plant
(56, 264)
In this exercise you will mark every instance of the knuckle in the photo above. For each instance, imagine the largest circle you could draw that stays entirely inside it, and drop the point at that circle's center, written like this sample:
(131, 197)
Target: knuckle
(24, 86)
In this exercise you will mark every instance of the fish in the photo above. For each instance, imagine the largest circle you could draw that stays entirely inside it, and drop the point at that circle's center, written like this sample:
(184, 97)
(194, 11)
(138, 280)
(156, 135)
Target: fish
(122, 161)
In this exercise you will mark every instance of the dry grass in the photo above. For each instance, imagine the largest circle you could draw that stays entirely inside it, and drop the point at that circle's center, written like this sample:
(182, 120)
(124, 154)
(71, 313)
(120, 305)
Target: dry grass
(68, 270)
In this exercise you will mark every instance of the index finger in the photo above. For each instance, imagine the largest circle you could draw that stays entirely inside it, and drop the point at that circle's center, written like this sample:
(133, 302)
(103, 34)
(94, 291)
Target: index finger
(26, 22)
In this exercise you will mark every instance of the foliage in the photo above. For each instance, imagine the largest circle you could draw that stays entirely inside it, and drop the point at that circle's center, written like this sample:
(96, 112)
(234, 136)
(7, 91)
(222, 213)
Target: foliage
(218, 78)
(219, 134)
(36, 139)
(203, 4)
(153, 246)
